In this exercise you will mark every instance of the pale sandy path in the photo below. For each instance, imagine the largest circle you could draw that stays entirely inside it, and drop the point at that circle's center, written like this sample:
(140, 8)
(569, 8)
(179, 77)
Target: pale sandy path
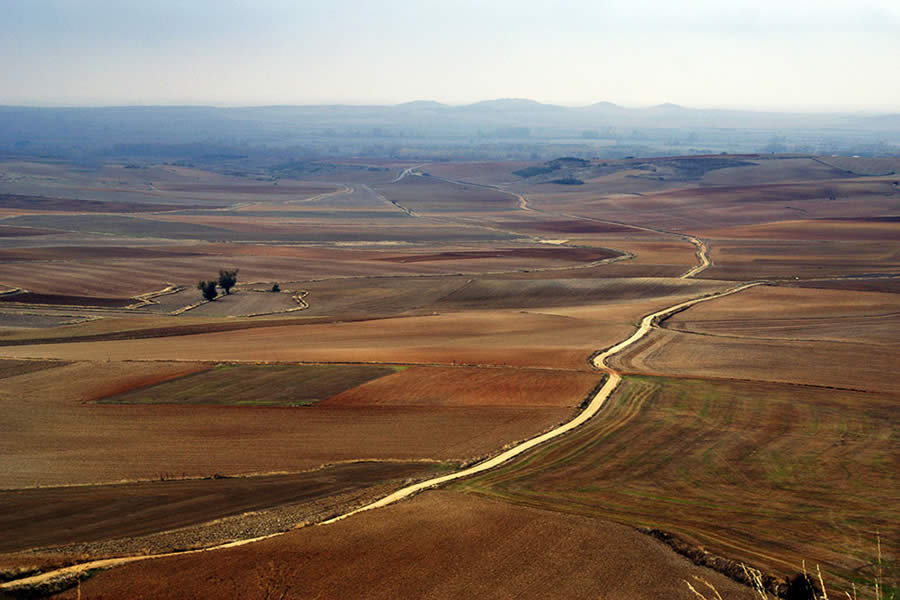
(613, 379)
(702, 256)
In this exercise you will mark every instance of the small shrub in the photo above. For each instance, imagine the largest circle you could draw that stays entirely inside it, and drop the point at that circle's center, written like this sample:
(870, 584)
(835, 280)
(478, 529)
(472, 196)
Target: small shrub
(276, 288)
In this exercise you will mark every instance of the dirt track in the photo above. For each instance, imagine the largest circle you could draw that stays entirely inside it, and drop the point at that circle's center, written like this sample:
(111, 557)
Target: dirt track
(599, 361)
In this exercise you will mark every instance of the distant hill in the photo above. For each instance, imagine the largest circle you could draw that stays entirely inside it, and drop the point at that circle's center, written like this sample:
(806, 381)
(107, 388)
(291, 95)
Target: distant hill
(429, 129)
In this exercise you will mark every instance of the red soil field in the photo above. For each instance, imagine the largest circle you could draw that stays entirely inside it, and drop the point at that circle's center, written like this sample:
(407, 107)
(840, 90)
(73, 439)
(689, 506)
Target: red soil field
(433, 386)
(424, 549)
(51, 434)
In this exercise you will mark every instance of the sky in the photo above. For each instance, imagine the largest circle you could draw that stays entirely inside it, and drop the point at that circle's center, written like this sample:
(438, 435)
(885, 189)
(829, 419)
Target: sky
(797, 55)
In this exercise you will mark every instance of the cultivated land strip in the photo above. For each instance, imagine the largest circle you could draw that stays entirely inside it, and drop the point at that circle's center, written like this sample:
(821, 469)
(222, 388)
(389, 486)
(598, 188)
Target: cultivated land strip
(702, 249)
(599, 361)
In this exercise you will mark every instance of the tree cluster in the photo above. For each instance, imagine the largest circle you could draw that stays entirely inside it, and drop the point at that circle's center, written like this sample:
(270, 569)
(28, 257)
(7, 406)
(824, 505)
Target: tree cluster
(227, 279)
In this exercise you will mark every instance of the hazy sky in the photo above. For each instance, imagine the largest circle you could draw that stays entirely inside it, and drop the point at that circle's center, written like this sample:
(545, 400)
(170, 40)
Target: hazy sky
(787, 54)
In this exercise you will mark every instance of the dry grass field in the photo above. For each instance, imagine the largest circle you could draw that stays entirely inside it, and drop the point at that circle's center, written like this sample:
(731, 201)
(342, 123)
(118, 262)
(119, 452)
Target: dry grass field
(443, 318)
(770, 474)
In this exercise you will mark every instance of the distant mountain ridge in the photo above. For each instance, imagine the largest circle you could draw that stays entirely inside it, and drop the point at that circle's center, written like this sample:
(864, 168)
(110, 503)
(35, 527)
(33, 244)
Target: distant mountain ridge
(365, 129)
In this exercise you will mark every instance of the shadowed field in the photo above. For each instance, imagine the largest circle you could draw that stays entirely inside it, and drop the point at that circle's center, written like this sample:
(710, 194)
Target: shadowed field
(769, 474)
(441, 322)
(67, 515)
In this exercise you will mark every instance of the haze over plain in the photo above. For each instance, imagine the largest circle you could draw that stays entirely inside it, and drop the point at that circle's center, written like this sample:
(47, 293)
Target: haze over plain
(770, 55)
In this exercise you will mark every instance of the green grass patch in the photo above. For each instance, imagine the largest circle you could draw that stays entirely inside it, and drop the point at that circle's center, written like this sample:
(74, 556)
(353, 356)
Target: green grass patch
(256, 385)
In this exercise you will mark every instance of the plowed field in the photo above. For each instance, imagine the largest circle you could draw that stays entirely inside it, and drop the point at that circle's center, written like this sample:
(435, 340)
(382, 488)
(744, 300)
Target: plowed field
(397, 553)
(765, 473)
(51, 434)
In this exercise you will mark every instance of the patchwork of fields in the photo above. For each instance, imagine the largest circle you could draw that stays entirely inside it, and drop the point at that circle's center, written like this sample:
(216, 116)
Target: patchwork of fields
(402, 322)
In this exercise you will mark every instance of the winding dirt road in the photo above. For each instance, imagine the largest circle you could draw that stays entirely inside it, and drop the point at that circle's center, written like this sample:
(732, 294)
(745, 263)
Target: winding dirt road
(612, 381)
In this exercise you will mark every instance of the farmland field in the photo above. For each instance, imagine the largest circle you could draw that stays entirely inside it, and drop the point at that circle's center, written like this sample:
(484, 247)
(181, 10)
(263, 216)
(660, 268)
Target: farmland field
(770, 474)
(258, 385)
(430, 317)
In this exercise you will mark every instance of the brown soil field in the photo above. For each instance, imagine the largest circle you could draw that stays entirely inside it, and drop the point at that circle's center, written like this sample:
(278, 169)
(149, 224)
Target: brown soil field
(57, 299)
(890, 285)
(485, 173)
(429, 195)
(237, 228)
(541, 337)
(18, 320)
(51, 435)
(753, 341)
(774, 170)
(132, 276)
(424, 549)
(13, 232)
(242, 302)
(43, 203)
(695, 208)
(66, 515)
(800, 314)
(558, 253)
(254, 385)
(569, 227)
(764, 473)
(434, 386)
(788, 259)
(280, 188)
(505, 293)
(812, 230)
(862, 166)
(13, 368)
(57, 253)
